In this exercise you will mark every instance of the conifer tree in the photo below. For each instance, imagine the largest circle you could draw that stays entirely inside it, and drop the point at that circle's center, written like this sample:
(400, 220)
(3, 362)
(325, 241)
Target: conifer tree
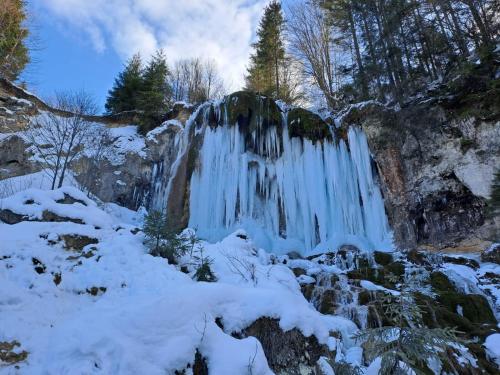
(156, 94)
(127, 86)
(266, 63)
(14, 54)
(161, 239)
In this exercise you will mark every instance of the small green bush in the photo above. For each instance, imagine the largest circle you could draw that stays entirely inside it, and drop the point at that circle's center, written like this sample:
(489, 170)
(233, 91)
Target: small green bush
(161, 239)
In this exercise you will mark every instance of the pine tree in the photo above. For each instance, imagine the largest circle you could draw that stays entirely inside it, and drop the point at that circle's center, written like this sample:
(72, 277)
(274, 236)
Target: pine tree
(203, 270)
(14, 54)
(264, 73)
(127, 86)
(161, 239)
(156, 95)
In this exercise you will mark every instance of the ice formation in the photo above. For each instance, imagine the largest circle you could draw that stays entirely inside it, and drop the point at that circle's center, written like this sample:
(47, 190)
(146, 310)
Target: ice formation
(288, 193)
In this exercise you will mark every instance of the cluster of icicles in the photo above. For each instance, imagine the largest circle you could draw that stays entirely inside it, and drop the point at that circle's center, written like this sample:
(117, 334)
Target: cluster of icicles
(288, 193)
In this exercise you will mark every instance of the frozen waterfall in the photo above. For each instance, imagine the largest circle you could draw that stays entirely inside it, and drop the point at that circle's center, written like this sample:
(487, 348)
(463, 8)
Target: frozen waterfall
(287, 192)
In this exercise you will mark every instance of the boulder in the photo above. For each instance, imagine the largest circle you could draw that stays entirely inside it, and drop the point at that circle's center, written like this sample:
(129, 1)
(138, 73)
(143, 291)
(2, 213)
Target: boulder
(77, 242)
(287, 352)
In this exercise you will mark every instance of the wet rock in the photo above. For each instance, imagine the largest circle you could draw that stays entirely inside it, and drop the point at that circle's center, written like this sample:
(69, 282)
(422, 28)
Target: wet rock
(297, 271)
(52, 217)
(492, 254)
(77, 242)
(287, 352)
(198, 367)
(382, 258)
(9, 354)
(416, 257)
(395, 268)
(294, 255)
(39, 266)
(328, 303)
(57, 278)
(68, 199)
(307, 290)
(10, 217)
(462, 261)
(96, 291)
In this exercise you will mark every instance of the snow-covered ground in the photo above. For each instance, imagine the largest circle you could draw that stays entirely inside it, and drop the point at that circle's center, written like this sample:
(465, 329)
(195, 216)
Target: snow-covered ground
(113, 308)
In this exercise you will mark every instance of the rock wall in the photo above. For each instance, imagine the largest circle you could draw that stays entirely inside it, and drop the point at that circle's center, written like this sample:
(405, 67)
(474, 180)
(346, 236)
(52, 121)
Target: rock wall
(436, 170)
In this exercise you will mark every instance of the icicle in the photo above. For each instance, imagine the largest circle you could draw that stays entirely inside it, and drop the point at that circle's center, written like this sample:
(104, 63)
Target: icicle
(325, 195)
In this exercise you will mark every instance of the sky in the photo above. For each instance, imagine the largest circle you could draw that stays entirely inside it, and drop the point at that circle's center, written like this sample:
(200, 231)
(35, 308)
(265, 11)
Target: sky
(83, 44)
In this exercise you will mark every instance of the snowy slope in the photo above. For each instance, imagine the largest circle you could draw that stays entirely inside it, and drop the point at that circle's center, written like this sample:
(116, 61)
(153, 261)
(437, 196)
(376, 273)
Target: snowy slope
(116, 309)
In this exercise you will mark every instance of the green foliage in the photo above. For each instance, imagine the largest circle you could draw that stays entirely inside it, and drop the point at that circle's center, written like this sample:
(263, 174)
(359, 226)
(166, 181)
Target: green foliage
(14, 54)
(269, 72)
(397, 47)
(202, 264)
(204, 272)
(155, 97)
(408, 343)
(161, 239)
(144, 89)
(124, 94)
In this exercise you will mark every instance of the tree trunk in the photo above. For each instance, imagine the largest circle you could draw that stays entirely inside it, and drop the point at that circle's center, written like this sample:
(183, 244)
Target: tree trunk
(359, 63)
(478, 21)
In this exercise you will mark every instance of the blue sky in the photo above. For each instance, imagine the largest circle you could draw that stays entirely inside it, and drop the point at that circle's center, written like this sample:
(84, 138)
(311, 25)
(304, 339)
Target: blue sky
(83, 44)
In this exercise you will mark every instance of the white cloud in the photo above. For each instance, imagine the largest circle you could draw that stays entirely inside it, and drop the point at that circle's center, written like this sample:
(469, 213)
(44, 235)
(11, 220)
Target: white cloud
(217, 29)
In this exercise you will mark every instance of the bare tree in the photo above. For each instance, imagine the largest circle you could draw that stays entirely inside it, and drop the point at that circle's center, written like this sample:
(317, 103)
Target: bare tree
(98, 147)
(311, 43)
(196, 81)
(58, 139)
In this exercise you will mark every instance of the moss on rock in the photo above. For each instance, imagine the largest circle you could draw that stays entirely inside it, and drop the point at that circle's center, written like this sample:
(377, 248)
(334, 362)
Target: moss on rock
(382, 258)
(441, 283)
(474, 307)
(305, 124)
(395, 268)
(247, 109)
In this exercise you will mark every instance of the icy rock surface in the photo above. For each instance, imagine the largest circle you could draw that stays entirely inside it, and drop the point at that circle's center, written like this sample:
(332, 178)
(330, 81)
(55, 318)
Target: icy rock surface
(288, 193)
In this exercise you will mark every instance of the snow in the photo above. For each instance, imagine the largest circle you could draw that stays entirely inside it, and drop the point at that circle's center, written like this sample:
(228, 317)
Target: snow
(34, 202)
(492, 345)
(368, 285)
(293, 195)
(151, 136)
(151, 317)
(126, 139)
(39, 180)
(325, 367)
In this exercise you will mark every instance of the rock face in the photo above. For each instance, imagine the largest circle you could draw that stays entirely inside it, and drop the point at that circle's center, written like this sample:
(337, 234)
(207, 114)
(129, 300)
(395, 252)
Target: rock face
(436, 169)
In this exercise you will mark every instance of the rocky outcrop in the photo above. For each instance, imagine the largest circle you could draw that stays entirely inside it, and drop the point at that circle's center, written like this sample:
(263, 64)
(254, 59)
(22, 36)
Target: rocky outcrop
(287, 352)
(436, 169)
